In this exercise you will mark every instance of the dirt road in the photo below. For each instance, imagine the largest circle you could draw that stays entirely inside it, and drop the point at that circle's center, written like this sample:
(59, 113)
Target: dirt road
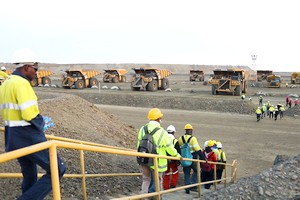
(254, 144)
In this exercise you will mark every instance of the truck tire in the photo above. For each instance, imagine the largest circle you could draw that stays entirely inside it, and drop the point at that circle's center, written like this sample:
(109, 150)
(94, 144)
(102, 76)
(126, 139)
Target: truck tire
(213, 90)
(245, 87)
(79, 84)
(34, 82)
(105, 80)
(93, 82)
(135, 88)
(123, 78)
(46, 80)
(152, 86)
(164, 84)
(115, 79)
(238, 91)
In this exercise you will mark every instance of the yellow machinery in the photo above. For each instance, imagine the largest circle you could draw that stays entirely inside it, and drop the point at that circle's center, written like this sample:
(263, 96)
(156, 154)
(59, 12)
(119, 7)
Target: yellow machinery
(263, 74)
(230, 81)
(114, 75)
(274, 81)
(196, 75)
(295, 78)
(80, 78)
(42, 78)
(150, 79)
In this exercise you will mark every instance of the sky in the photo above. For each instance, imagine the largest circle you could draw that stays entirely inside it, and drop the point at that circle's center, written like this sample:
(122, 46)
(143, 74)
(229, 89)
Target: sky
(200, 32)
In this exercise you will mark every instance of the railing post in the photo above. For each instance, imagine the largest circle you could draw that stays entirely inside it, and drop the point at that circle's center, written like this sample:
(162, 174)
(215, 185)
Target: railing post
(225, 175)
(199, 177)
(215, 176)
(156, 177)
(82, 168)
(54, 172)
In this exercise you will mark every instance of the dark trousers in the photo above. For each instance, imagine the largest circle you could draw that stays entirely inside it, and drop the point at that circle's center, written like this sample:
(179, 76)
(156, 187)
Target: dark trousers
(219, 173)
(207, 176)
(187, 174)
(32, 188)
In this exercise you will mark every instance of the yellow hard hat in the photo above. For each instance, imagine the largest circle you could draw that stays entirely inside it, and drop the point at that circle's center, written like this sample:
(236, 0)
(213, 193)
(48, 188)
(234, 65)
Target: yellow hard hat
(210, 143)
(154, 114)
(188, 126)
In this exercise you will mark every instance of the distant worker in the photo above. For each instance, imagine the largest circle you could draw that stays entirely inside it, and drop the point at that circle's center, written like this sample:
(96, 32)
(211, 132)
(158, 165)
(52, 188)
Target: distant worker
(260, 100)
(287, 100)
(268, 108)
(222, 159)
(3, 74)
(281, 111)
(163, 145)
(296, 102)
(286, 84)
(290, 103)
(196, 152)
(171, 175)
(271, 109)
(276, 113)
(258, 114)
(264, 110)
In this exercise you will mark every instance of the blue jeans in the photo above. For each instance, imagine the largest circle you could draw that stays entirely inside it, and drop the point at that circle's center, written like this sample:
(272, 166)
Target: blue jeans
(187, 177)
(152, 183)
(32, 188)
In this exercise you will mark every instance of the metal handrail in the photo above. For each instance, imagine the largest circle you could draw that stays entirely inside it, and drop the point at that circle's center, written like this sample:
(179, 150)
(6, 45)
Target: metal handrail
(87, 146)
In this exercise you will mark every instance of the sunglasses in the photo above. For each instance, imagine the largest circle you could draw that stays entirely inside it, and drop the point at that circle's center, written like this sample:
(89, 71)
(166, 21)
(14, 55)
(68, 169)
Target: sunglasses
(34, 67)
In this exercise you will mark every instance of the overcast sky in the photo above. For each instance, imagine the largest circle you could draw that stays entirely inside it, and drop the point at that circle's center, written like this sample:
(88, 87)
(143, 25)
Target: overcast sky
(221, 32)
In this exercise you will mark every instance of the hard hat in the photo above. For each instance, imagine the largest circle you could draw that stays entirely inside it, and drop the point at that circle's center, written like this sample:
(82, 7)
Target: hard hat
(154, 114)
(171, 129)
(219, 145)
(3, 68)
(205, 144)
(24, 56)
(188, 126)
(210, 143)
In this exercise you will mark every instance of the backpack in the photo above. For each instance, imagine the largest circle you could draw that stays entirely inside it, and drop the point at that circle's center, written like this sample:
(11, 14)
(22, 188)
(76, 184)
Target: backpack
(206, 167)
(185, 152)
(147, 146)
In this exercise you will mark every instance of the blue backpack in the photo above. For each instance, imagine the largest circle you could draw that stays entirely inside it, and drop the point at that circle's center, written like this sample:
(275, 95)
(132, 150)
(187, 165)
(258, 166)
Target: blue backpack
(185, 152)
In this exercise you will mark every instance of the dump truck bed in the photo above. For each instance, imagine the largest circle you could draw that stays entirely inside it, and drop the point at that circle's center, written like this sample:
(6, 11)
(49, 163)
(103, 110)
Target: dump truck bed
(87, 72)
(163, 73)
(43, 73)
(121, 72)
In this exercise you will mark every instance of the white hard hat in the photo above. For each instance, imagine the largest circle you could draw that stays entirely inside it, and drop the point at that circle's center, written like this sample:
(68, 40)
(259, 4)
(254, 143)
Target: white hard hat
(205, 144)
(171, 128)
(3, 68)
(24, 56)
(219, 145)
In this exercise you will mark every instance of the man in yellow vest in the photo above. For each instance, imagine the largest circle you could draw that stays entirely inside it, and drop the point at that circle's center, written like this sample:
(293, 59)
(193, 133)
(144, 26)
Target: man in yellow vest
(258, 113)
(164, 145)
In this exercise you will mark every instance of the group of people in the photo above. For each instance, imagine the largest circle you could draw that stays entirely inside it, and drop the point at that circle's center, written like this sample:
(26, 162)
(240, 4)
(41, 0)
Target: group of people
(289, 101)
(269, 110)
(168, 145)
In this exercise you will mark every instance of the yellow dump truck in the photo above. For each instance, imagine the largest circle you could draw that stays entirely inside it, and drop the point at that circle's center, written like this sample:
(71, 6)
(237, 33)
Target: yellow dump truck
(80, 78)
(274, 81)
(230, 81)
(42, 78)
(263, 74)
(295, 78)
(151, 79)
(196, 75)
(114, 75)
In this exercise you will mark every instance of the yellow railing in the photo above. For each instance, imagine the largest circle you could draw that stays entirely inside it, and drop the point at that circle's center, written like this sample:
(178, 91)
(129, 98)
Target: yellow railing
(59, 142)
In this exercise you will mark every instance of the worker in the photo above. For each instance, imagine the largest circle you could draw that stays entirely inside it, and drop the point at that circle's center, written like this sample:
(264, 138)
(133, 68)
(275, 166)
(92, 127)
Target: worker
(258, 113)
(290, 103)
(163, 145)
(268, 108)
(24, 126)
(276, 113)
(171, 175)
(271, 110)
(222, 159)
(207, 169)
(264, 110)
(3, 74)
(287, 99)
(286, 84)
(260, 100)
(281, 111)
(196, 152)
(296, 102)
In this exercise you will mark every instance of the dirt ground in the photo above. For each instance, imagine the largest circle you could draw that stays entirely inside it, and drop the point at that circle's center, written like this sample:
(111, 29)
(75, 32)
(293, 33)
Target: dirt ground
(225, 118)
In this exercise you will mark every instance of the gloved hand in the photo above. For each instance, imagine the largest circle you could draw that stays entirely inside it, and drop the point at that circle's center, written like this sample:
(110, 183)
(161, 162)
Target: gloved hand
(47, 123)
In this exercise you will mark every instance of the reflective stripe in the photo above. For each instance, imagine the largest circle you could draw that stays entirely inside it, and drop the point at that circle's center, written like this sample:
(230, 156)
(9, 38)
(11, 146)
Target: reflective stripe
(10, 106)
(16, 123)
(28, 104)
(160, 138)
(170, 144)
(162, 166)
(167, 174)
(175, 172)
